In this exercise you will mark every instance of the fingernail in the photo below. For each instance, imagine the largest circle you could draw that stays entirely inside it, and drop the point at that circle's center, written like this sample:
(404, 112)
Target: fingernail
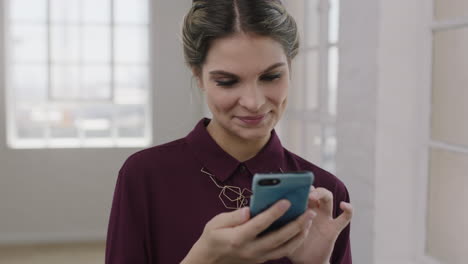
(284, 204)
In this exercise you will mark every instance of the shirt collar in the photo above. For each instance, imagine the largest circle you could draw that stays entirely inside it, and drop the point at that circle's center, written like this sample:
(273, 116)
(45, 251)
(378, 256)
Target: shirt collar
(222, 165)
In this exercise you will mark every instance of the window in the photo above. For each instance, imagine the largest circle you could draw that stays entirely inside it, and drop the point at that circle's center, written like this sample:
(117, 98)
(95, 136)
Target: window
(308, 126)
(447, 234)
(78, 73)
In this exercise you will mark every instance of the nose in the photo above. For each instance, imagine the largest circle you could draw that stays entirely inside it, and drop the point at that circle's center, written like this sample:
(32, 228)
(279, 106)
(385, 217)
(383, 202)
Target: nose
(252, 98)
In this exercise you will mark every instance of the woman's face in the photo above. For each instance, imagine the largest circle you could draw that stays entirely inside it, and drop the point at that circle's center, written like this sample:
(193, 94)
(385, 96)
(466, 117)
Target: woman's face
(246, 80)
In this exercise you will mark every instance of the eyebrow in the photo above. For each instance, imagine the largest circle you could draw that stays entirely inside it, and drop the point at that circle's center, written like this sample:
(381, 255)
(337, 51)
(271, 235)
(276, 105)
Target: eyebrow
(221, 72)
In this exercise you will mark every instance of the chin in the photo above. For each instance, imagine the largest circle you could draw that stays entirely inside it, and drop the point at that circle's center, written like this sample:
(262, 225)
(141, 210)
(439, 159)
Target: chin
(252, 134)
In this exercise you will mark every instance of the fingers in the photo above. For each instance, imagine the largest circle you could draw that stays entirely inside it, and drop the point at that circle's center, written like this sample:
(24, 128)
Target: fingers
(345, 217)
(284, 234)
(288, 247)
(310, 204)
(320, 198)
(263, 220)
(312, 188)
(230, 219)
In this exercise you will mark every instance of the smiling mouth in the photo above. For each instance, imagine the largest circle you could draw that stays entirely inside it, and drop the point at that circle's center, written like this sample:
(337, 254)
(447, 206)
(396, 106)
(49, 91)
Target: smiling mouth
(252, 117)
(252, 120)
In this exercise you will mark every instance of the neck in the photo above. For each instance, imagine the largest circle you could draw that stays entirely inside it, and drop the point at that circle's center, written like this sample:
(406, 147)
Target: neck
(240, 149)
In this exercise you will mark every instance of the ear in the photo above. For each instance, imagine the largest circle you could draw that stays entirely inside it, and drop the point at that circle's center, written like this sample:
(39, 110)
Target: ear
(198, 76)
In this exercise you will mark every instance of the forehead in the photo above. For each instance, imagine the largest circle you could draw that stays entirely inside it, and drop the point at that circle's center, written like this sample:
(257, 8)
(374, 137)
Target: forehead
(243, 53)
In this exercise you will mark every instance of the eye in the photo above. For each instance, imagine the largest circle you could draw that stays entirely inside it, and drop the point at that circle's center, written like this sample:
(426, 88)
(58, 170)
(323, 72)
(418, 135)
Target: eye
(226, 83)
(270, 77)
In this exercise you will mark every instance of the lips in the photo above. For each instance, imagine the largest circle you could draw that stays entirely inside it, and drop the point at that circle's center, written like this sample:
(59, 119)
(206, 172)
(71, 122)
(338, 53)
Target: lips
(252, 120)
(252, 117)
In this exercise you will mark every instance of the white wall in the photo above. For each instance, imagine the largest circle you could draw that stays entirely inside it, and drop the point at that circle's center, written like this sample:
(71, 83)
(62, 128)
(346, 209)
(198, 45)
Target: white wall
(382, 121)
(403, 98)
(65, 194)
(356, 118)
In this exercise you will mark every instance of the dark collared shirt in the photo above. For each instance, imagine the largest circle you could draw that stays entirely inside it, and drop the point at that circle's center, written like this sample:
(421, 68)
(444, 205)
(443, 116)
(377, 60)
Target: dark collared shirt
(163, 200)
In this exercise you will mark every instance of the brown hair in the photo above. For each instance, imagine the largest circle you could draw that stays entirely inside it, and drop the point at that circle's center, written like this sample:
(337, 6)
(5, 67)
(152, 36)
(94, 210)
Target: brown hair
(211, 19)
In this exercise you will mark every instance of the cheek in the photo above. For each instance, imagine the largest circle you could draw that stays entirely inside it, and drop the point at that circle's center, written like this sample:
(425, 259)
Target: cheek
(220, 101)
(279, 94)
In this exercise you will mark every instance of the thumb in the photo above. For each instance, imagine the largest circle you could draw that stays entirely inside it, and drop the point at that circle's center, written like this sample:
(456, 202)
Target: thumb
(345, 217)
(231, 219)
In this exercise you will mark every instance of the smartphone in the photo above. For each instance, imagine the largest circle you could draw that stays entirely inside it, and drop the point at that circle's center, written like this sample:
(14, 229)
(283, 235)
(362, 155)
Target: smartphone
(270, 188)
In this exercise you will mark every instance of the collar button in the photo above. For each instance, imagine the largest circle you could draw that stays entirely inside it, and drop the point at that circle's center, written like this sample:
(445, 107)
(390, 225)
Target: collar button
(242, 168)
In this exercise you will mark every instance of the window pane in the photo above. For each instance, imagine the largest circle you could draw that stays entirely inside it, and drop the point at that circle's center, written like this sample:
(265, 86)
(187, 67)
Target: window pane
(131, 11)
(450, 9)
(96, 44)
(76, 108)
(65, 11)
(312, 79)
(329, 148)
(131, 45)
(66, 81)
(312, 23)
(332, 79)
(131, 121)
(131, 85)
(96, 11)
(96, 82)
(450, 82)
(29, 43)
(62, 122)
(65, 43)
(334, 20)
(447, 234)
(74, 82)
(28, 10)
(30, 122)
(30, 89)
(96, 121)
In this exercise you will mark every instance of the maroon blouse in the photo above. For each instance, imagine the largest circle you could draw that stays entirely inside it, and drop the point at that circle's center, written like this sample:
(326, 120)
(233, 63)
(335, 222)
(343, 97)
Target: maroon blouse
(163, 200)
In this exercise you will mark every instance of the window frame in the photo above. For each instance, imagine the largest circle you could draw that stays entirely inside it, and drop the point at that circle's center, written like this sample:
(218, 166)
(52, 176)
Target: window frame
(321, 115)
(79, 142)
(424, 137)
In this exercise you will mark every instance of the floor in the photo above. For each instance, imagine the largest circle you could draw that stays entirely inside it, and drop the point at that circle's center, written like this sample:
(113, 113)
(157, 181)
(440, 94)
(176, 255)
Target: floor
(79, 253)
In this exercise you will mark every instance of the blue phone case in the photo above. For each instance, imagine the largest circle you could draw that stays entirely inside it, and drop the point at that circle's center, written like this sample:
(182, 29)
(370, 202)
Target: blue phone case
(293, 186)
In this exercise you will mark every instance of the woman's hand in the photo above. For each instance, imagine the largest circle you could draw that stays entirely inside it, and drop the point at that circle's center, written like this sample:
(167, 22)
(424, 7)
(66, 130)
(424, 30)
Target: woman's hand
(318, 246)
(231, 238)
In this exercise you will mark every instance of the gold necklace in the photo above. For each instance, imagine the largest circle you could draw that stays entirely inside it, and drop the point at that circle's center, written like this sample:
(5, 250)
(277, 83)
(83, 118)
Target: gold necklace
(231, 194)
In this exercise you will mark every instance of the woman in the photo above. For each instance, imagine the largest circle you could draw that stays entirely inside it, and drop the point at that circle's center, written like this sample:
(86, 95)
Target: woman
(185, 201)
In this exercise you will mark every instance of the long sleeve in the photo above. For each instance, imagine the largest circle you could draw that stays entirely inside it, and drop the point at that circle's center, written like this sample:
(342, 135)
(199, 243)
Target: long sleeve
(125, 238)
